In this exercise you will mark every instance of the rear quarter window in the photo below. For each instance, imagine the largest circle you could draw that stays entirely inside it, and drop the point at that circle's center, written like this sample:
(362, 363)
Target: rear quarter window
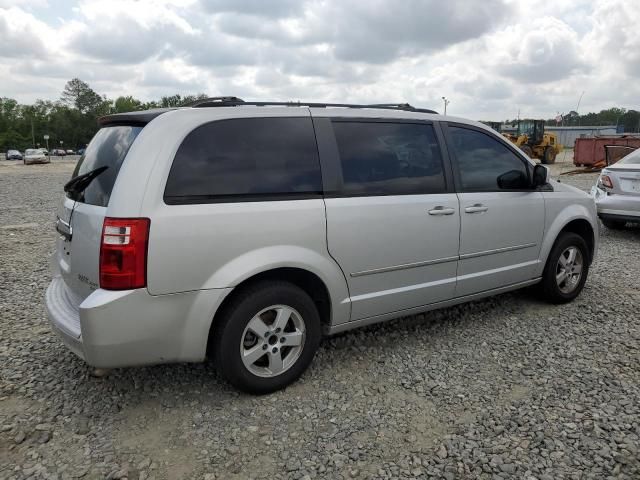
(108, 148)
(250, 159)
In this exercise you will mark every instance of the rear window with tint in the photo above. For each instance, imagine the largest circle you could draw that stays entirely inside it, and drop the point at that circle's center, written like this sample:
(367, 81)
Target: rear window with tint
(107, 148)
(246, 159)
(632, 159)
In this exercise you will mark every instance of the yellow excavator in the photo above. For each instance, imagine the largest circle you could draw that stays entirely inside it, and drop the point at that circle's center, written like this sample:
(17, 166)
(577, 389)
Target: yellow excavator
(535, 142)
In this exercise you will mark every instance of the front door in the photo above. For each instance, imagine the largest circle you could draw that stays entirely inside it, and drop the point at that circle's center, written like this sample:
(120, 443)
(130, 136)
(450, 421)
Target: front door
(502, 217)
(393, 220)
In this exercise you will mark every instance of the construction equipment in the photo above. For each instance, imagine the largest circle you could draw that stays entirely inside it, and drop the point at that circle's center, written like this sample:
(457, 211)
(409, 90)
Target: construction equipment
(535, 142)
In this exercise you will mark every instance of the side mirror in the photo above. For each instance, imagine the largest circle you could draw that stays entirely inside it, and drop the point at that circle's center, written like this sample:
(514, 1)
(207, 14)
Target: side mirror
(541, 175)
(512, 180)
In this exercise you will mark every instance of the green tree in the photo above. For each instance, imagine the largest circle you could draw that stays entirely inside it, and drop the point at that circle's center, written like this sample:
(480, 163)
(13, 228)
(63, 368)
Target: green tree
(80, 95)
(126, 104)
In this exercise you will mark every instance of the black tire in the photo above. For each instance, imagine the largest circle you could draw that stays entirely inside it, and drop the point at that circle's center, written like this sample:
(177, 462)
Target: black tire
(549, 156)
(229, 332)
(613, 224)
(549, 288)
(527, 150)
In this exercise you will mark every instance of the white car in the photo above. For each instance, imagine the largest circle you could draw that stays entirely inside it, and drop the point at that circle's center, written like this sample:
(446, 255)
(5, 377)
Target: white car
(35, 155)
(617, 192)
(248, 230)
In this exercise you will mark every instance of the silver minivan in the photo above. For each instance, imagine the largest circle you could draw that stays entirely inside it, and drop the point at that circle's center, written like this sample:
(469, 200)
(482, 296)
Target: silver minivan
(245, 231)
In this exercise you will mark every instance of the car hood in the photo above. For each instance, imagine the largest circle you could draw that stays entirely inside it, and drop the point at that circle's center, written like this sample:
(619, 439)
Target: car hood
(563, 187)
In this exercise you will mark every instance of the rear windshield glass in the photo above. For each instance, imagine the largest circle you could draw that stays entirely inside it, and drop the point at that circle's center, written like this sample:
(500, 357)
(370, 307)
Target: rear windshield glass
(631, 159)
(107, 148)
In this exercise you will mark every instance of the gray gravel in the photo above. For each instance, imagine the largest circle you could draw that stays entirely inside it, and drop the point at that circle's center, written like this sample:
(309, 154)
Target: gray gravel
(507, 387)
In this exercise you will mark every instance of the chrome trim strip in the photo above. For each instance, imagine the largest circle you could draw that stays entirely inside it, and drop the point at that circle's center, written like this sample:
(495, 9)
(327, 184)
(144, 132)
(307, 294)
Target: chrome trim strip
(441, 260)
(409, 288)
(496, 250)
(425, 308)
(404, 266)
(64, 229)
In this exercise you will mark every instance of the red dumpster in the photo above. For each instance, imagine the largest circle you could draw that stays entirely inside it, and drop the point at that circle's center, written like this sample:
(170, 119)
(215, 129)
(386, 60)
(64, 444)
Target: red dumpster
(590, 150)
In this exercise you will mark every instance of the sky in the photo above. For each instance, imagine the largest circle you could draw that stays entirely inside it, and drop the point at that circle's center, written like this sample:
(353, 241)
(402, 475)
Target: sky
(489, 58)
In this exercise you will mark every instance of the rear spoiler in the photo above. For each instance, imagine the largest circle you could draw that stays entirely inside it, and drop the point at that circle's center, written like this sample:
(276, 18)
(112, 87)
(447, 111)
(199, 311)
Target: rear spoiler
(132, 118)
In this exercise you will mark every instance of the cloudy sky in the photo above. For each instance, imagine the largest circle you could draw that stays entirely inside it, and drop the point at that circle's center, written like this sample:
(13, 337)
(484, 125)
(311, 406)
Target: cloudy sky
(489, 57)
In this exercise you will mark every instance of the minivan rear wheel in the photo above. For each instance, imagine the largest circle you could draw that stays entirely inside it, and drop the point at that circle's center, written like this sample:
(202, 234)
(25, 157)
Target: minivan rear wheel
(267, 337)
(566, 270)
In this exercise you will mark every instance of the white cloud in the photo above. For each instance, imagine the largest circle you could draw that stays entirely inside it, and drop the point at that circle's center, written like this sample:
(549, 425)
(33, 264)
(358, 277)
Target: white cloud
(21, 34)
(544, 50)
(489, 58)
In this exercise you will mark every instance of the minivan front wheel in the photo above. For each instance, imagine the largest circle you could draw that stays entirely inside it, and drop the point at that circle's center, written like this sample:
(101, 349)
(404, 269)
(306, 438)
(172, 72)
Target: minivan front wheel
(267, 337)
(566, 270)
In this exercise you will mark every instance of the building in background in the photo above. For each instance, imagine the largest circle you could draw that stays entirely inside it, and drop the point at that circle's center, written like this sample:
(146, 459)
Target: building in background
(567, 135)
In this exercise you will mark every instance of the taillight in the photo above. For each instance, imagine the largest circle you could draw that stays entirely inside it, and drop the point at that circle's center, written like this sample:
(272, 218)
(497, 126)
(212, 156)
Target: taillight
(123, 253)
(606, 181)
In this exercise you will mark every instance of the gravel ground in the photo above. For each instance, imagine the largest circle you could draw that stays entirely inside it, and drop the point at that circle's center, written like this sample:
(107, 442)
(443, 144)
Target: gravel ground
(508, 387)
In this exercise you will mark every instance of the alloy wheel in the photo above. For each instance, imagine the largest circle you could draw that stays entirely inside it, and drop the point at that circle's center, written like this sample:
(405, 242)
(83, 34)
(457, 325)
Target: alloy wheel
(272, 341)
(569, 269)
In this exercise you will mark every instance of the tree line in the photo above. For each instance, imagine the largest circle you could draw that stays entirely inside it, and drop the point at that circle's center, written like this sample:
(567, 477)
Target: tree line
(72, 119)
(627, 120)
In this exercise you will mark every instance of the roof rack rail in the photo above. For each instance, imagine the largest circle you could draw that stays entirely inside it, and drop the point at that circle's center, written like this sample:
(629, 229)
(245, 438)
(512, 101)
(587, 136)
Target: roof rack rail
(215, 102)
(235, 102)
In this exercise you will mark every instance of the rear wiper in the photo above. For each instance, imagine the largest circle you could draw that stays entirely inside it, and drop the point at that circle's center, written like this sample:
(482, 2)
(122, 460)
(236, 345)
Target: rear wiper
(76, 186)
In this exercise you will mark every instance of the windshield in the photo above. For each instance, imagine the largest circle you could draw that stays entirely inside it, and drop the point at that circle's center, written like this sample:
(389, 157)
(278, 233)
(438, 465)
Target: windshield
(525, 127)
(31, 151)
(632, 159)
(108, 148)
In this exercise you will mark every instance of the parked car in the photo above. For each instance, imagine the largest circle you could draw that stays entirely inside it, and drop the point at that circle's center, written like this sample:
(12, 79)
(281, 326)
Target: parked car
(617, 192)
(35, 155)
(81, 151)
(14, 155)
(247, 232)
(58, 152)
(70, 152)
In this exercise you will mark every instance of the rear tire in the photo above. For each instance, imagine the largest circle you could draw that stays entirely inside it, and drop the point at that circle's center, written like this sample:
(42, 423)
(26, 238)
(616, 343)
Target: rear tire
(267, 337)
(613, 224)
(527, 150)
(549, 156)
(566, 270)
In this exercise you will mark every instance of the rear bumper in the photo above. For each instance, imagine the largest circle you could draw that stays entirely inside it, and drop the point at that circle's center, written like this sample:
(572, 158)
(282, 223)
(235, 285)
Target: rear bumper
(34, 162)
(618, 207)
(64, 316)
(120, 329)
(620, 217)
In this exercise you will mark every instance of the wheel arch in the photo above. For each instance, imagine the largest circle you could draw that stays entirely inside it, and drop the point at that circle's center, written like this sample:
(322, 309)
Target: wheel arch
(576, 220)
(303, 278)
(582, 227)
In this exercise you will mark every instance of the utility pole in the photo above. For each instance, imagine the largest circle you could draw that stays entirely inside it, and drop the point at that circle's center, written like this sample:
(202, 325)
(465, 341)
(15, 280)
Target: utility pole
(578, 106)
(33, 136)
(446, 102)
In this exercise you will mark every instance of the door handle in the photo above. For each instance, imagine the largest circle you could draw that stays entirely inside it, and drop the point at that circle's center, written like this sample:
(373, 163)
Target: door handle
(440, 210)
(477, 208)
